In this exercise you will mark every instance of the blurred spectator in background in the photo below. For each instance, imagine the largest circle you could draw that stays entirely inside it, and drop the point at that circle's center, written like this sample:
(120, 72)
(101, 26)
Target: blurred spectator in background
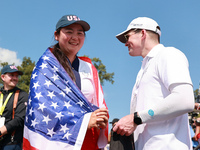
(118, 142)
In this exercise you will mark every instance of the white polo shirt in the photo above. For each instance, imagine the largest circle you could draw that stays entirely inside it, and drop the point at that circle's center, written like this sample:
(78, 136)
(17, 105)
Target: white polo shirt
(162, 67)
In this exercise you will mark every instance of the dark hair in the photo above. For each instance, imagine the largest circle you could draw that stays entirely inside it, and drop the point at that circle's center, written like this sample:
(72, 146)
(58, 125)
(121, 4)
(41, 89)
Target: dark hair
(62, 58)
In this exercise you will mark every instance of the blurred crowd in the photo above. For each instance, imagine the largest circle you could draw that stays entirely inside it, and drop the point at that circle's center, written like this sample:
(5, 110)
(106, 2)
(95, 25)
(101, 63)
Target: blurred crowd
(194, 120)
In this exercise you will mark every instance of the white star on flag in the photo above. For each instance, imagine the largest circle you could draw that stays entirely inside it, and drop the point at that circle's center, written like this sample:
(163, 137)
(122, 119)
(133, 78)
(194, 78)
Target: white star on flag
(67, 90)
(62, 93)
(45, 58)
(34, 75)
(66, 81)
(38, 95)
(55, 69)
(42, 106)
(33, 122)
(36, 85)
(59, 115)
(51, 94)
(51, 132)
(46, 119)
(31, 111)
(48, 83)
(64, 128)
(29, 101)
(55, 77)
(43, 65)
(67, 104)
(54, 105)
(67, 135)
(26, 118)
(80, 103)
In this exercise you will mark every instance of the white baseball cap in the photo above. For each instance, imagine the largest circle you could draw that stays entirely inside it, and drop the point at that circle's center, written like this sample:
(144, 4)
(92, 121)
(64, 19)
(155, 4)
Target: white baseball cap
(140, 23)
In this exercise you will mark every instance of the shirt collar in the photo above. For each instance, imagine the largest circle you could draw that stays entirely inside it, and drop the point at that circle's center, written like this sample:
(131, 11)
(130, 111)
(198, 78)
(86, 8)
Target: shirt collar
(75, 63)
(155, 50)
(7, 91)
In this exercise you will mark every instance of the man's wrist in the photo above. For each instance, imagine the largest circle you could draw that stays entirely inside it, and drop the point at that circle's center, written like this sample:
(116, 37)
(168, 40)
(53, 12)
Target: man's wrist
(136, 119)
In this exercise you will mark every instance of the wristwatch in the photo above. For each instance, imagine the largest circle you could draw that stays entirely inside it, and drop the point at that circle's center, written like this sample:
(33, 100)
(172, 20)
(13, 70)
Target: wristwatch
(137, 120)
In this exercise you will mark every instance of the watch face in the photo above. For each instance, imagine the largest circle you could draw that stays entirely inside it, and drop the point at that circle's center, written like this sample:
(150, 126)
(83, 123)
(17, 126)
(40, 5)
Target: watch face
(138, 121)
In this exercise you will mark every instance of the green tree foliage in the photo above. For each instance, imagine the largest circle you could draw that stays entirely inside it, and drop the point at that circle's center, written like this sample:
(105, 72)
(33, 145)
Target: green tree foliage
(2, 64)
(103, 75)
(27, 68)
(196, 93)
(28, 65)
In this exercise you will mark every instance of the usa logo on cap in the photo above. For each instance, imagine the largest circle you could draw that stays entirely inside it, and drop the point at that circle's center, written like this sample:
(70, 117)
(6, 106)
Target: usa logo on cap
(71, 18)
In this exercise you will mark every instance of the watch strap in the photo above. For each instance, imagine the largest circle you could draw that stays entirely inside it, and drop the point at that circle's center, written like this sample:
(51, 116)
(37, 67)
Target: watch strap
(137, 120)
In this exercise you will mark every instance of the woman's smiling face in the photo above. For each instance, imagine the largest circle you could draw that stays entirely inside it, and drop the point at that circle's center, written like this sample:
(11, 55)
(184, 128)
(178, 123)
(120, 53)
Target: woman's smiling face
(70, 38)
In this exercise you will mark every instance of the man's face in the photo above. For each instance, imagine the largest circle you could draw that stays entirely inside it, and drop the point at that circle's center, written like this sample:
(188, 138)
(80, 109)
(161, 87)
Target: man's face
(133, 43)
(10, 80)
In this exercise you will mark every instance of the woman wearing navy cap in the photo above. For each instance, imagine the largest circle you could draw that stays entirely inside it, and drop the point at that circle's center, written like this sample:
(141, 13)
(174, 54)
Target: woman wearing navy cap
(66, 106)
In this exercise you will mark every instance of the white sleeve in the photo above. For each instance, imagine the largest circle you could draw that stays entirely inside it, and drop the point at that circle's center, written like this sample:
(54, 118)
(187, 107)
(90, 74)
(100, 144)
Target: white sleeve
(180, 101)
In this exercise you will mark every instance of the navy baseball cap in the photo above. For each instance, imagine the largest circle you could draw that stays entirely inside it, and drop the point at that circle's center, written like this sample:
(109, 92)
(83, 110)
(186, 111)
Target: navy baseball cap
(10, 69)
(70, 19)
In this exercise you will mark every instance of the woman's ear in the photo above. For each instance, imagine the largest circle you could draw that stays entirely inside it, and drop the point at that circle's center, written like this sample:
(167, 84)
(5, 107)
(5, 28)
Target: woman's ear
(56, 35)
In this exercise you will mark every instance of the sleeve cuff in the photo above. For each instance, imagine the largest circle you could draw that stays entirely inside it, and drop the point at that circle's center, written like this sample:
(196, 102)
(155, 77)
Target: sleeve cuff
(146, 115)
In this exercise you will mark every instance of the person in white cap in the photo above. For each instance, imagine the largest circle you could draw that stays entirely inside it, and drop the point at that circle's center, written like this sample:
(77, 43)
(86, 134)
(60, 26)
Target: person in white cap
(163, 93)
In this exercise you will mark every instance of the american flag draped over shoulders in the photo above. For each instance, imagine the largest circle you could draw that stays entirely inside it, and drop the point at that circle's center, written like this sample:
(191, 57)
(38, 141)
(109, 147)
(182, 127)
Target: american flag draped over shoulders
(57, 113)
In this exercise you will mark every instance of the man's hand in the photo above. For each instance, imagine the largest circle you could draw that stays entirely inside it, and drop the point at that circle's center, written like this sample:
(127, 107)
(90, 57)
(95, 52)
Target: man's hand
(125, 126)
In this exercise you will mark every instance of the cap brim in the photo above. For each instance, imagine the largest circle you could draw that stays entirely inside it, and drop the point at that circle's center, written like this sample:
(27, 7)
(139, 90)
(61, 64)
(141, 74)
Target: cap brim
(19, 72)
(121, 36)
(84, 24)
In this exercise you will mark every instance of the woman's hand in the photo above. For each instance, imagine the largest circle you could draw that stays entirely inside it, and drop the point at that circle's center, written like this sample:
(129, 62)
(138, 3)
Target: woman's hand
(98, 119)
